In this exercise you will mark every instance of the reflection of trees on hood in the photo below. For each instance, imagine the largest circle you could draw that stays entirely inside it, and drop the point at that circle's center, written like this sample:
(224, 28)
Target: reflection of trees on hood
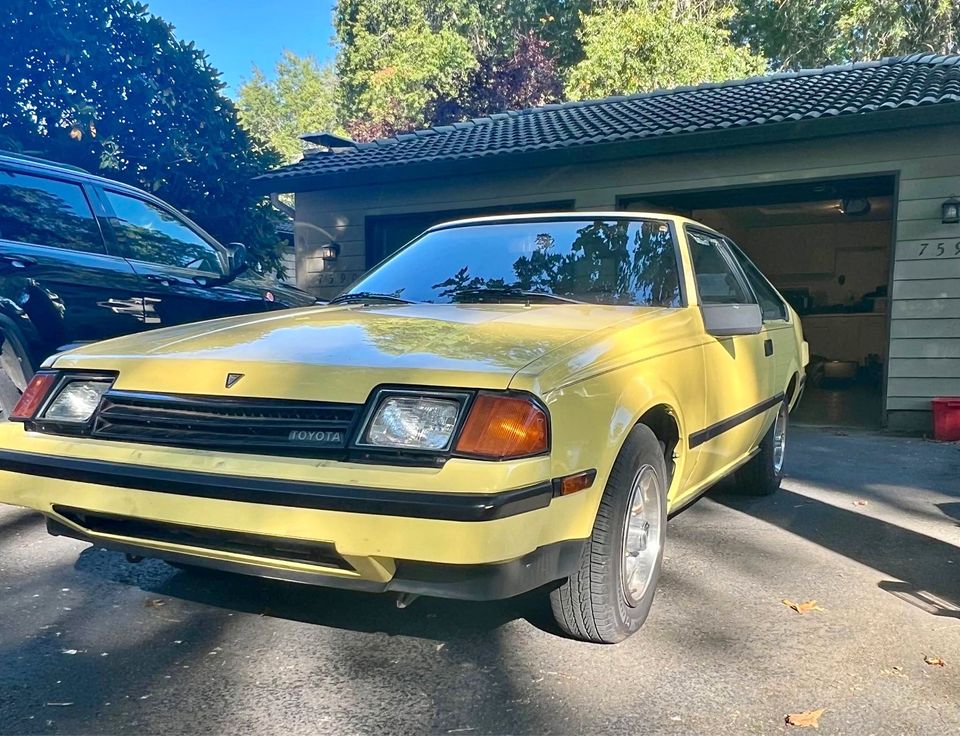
(35, 216)
(616, 262)
(488, 343)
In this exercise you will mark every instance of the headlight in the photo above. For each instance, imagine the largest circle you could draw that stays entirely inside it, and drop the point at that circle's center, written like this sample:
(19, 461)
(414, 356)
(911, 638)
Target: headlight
(76, 401)
(413, 422)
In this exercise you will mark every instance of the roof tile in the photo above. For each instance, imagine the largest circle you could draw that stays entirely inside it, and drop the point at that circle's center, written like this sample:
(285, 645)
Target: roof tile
(851, 89)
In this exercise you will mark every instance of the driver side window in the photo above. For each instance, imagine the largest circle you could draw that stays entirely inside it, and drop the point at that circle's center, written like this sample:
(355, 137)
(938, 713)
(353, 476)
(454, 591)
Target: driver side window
(717, 281)
(146, 232)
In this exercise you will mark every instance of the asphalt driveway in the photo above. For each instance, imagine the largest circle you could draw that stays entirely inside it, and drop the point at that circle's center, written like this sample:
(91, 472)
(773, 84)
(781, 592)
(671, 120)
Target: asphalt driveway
(866, 525)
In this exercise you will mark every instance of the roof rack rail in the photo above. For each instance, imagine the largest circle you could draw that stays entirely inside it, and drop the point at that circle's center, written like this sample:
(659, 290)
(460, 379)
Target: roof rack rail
(38, 160)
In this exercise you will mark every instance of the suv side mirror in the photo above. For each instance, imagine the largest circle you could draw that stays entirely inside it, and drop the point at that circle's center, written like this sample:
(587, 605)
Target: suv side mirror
(724, 320)
(236, 259)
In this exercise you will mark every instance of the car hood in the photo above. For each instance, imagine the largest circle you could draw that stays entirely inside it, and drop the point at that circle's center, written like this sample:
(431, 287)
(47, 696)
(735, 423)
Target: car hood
(342, 352)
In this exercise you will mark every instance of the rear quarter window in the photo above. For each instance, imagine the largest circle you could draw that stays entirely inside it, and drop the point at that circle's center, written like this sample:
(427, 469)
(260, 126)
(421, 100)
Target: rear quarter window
(43, 211)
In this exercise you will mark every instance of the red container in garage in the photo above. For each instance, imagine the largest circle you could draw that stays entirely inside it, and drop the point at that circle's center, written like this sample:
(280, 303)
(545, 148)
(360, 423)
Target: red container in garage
(946, 418)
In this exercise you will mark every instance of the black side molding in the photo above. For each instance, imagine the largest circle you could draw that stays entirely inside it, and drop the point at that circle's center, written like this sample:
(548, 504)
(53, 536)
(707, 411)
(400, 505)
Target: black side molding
(704, 435)
(297, 494)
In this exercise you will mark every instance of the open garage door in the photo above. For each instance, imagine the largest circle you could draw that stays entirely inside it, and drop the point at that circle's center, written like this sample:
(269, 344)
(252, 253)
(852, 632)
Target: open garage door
(826, 246)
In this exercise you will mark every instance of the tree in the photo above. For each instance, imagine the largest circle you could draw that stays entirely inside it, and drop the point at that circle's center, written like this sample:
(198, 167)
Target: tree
(106, 86)
(300, 99)
(529, 77)
(797, 34)
(638, 46)
(397, 57)
(409, 63)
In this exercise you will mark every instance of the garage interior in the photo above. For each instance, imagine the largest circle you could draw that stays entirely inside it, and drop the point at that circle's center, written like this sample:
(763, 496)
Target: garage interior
(826, 246)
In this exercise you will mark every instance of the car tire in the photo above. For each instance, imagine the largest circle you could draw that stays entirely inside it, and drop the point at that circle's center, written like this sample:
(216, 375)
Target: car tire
(601, 602)
(761, 476)
(15, 372)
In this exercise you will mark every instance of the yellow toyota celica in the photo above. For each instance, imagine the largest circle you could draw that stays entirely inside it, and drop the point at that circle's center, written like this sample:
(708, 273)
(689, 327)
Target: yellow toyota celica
(505, 404)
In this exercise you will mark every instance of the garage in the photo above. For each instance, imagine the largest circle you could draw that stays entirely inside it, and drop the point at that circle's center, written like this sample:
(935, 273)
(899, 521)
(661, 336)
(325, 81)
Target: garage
(826, 246)
(842, 183)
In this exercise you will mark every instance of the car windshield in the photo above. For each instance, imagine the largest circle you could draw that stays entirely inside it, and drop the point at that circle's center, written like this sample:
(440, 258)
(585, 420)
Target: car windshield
(597, 261)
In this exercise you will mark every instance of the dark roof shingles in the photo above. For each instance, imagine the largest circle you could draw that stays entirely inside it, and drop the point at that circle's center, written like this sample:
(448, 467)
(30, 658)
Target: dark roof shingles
(830, 92)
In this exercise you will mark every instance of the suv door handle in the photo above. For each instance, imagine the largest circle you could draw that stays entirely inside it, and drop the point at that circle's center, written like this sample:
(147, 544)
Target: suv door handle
(18, 262)
(767, 347)
(162, 280)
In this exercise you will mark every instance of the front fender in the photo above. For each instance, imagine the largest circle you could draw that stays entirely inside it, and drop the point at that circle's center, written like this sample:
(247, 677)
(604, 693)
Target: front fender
(592, 418)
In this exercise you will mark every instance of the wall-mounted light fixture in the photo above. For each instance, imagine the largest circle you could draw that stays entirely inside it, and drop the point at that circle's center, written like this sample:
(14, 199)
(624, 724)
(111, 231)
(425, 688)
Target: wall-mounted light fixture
(330, 251)
(950, 211)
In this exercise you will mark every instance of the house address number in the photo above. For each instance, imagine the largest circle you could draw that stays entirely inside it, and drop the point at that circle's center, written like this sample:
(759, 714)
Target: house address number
(938, 250)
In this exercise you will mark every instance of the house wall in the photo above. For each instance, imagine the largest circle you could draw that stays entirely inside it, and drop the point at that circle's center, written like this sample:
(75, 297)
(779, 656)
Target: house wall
(924, 355)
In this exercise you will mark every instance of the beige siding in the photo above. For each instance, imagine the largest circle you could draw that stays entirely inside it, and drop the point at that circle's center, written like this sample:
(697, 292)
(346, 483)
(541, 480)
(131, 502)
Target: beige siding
(925, 300)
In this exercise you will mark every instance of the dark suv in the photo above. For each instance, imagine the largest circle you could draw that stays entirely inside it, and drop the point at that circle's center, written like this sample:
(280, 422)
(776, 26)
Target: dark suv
(84, 258)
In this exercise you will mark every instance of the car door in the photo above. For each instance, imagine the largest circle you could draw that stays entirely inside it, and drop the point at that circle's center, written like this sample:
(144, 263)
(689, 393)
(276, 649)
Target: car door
(737, 376)
(778, 335)
(178, 265)
(54, 265)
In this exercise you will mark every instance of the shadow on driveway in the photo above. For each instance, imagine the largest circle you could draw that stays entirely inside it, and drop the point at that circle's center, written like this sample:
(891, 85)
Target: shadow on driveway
(921, 562)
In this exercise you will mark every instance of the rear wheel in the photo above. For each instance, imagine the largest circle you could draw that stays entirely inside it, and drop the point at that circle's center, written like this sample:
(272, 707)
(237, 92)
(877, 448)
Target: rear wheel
(610, 596)
(762, 475)
(14, 373)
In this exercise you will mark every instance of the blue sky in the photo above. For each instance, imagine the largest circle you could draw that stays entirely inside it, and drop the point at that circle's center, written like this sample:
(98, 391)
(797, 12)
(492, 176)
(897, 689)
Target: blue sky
(238, 34)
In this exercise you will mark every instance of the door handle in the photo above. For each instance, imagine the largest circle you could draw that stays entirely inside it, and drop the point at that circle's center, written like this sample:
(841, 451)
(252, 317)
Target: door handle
(18, 262)
(162, 280)
(767, 347)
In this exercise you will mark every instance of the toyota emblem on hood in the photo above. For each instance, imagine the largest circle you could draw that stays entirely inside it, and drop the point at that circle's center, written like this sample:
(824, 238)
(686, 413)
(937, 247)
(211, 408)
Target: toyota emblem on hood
(232, 379)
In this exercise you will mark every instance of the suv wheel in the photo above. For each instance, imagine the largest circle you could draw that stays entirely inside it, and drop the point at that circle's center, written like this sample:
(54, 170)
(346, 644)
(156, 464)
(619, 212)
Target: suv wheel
(609, 597)
(14, 373)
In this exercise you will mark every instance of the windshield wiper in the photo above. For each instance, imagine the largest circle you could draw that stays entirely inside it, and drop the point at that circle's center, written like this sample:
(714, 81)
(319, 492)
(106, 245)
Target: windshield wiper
(508, 292)
(368, 296)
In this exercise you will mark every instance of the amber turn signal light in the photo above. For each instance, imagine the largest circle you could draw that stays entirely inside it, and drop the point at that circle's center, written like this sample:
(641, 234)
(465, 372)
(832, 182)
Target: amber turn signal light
(572, 483)
(504, 426)
(33, 396)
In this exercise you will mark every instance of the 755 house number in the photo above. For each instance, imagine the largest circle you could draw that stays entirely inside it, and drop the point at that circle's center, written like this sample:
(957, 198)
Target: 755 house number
(936, 250)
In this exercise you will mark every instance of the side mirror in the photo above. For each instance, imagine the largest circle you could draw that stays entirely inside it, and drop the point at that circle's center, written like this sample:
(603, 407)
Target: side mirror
(724, 320)
(236, 259)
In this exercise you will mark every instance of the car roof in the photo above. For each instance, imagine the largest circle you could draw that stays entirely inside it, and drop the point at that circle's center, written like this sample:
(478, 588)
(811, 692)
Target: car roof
(41, 165)
(567, 215)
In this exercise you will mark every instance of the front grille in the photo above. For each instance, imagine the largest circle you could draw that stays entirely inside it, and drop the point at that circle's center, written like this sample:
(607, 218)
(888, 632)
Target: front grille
(264, 426)
(323, 554)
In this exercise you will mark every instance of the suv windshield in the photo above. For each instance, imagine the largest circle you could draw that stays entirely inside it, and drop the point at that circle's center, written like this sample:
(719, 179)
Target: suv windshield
(605, 261)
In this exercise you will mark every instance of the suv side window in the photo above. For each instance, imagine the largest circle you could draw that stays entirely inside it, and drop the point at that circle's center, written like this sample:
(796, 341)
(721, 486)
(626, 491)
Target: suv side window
(771, 304)
(51, 212)
(717, 279)
(146, 232)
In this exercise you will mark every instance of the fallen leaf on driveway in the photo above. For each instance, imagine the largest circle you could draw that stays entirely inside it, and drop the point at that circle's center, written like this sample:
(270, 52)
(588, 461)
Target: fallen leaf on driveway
(859, 502)
(935, 661)
(806, 719)
(155, 602)
(806, 607)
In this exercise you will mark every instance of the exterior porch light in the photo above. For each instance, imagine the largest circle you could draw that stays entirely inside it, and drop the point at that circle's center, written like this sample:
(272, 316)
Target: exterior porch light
(330, 251)
(950, 211)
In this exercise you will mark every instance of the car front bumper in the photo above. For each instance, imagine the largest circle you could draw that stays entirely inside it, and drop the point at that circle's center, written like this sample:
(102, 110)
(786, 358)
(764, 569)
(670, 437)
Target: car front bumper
(411, 530)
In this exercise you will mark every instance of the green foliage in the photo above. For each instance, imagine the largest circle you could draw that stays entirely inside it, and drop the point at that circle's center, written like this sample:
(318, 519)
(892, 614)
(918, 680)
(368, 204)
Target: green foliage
(640, 46)
(104, 85)
(300, 99)
(803, 34)
(397, 57)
